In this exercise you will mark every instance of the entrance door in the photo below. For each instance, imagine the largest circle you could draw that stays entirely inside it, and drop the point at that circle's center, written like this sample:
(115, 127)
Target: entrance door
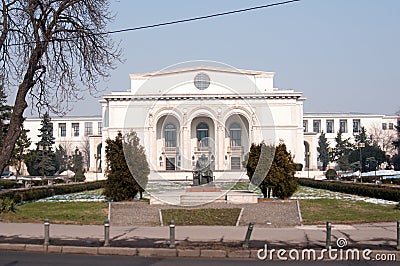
(170, 164)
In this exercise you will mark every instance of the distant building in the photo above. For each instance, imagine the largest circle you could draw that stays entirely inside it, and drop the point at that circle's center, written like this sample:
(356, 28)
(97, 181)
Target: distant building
(72, 132)
(181, 114)
(380, 129)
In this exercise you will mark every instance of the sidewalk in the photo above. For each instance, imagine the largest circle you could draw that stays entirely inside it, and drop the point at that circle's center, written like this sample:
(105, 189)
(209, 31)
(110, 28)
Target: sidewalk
(378, 236)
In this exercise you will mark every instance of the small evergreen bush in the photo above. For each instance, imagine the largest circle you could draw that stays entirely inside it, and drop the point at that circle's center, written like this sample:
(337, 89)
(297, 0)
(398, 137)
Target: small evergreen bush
(7, 205)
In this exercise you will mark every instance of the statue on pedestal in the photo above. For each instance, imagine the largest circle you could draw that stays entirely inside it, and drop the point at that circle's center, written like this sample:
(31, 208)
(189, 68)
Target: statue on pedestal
(202, 173)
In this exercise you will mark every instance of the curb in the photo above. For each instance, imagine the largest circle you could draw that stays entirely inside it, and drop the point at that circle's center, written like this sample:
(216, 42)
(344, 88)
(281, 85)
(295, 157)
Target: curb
(122, 251)
(154, 252)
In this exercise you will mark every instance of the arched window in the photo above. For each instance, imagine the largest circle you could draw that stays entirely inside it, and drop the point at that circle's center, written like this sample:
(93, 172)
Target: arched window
(235, 133)
(170, 135)
(202, 134)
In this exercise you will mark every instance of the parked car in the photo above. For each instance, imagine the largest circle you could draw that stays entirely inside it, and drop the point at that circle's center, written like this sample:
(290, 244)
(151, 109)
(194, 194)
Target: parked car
(6, 174)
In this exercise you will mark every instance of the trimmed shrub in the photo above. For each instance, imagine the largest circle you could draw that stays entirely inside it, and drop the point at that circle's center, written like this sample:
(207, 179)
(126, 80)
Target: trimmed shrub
(331, 174)
(372, 191)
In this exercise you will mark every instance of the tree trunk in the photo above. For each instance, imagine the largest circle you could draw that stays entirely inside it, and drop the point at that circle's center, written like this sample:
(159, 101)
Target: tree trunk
(20, 105)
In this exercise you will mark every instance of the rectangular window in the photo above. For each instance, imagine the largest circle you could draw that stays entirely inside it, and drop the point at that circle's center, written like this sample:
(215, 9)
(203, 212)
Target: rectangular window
(356, 126)
(88, 128)
(99, 127)
(75, 129)
(343, 126)
(305, 125)
(235, 138)
(384, 126)
(235, 163)
(329, 126)
(317, 126)
(170, 137)
(62, 130)
(391, 126)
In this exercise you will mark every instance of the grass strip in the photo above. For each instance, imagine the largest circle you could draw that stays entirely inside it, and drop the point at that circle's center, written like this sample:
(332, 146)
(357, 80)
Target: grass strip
(59, 213)
(315, 211)
(223, 216)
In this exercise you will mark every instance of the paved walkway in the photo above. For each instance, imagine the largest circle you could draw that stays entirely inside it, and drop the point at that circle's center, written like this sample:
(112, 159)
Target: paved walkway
(373, 235)
(277, 213)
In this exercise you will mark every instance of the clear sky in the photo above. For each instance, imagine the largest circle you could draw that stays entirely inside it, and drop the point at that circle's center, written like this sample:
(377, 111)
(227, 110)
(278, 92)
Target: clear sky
(342, 54)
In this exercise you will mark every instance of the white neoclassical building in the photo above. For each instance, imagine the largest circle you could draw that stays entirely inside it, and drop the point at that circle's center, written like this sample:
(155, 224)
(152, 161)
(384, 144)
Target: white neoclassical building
(181, 114)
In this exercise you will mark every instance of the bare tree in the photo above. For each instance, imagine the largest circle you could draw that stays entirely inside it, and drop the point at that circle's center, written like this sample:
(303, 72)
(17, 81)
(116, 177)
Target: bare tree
(68, 146)
(51, 50)
(85, 148)
(383, 138)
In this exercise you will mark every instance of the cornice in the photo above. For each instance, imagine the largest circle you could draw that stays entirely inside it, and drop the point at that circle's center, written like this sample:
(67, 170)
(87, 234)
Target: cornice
(271, 96)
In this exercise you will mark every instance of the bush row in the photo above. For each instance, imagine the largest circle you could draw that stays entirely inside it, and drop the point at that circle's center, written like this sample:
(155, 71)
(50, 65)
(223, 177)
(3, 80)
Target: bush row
(8, 184)
(372, 191)
(31, 194)
(372, 179)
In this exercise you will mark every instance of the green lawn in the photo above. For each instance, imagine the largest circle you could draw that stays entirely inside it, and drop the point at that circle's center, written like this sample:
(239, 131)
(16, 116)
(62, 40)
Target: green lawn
(226, 217)
(346, 211)
(59, 212)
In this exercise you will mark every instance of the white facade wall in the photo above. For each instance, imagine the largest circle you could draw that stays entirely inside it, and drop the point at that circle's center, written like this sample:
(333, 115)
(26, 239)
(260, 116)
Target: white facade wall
(247, 98)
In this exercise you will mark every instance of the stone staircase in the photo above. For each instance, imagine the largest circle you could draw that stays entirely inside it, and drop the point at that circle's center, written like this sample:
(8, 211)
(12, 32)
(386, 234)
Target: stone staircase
(200, 198)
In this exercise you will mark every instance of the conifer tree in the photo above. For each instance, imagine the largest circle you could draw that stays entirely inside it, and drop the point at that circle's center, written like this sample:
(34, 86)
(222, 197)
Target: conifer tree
(62, 159)
(127, 168)
(341, 152)
(135, 157)
(46, 156)
(279, 177)
(362, 137)
(323, 146)
(19, 152)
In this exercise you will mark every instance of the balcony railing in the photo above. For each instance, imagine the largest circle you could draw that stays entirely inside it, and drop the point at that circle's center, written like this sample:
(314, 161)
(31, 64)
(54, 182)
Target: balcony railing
(170, 149)
(235, 149)
(202, 149)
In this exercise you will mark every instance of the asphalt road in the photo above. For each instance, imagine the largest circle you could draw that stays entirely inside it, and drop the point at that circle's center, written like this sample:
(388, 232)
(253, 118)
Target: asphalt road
(19, 259)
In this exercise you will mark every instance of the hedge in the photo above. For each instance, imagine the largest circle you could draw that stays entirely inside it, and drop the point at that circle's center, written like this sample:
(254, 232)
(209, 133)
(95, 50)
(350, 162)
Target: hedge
(35, 193)
(372, 191)
(372, 179)
(7, 184)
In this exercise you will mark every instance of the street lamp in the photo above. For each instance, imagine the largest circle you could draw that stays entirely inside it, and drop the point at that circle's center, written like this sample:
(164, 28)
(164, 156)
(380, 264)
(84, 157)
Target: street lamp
(360, 146)
(97, 157)
(308, 163)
